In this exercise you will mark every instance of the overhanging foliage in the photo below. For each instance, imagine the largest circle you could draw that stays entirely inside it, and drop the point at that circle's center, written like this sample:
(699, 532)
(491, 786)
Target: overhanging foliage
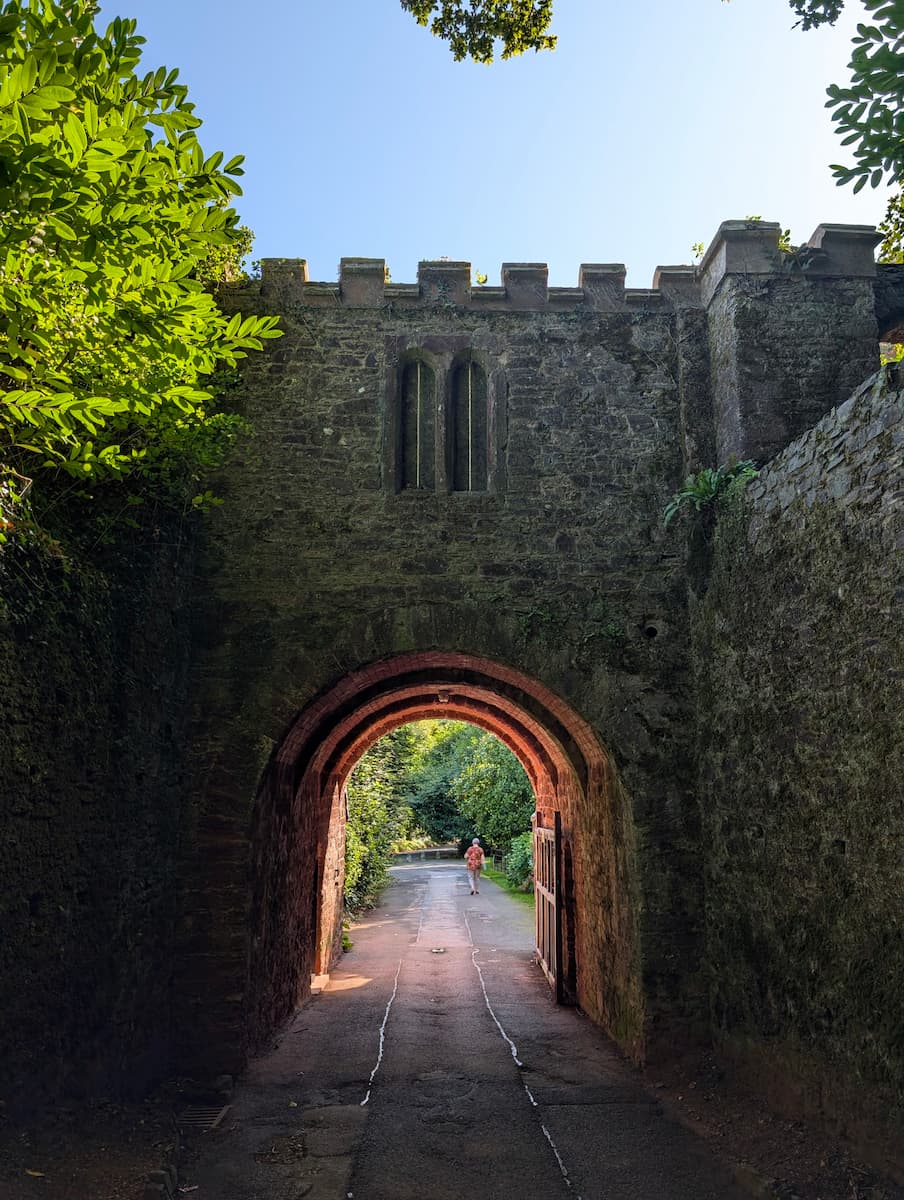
(870, 113)
(109, 210)
(472, 27)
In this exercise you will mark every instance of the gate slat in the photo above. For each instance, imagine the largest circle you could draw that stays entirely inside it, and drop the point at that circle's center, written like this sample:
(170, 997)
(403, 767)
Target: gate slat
(548, 902)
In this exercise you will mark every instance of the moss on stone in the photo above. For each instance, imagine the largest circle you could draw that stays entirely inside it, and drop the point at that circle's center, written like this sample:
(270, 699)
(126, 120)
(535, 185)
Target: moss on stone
(800, 736)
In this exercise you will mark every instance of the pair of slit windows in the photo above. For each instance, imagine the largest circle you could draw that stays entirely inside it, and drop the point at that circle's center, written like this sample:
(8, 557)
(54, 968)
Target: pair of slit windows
(466, 430)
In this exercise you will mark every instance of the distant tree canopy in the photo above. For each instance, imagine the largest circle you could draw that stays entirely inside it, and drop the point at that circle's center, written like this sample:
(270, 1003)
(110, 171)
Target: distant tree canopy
(436, 761)
(472, 27)
(492, 790)
(892, 230)
(434, 782)
(817, 12)
(114, 224)
(462, 780)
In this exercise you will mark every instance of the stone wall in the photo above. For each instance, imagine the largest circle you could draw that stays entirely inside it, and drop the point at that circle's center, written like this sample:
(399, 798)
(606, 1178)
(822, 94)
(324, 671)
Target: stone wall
(321, 562)
(791, 334)
(321, 568)
(92, 681)
(317, 565)
(799, 646)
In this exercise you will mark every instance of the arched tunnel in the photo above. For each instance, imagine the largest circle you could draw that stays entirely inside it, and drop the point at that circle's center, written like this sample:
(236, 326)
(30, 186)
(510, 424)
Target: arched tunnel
(297, 834)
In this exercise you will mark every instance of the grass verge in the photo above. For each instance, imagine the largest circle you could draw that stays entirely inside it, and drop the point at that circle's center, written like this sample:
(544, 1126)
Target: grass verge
(499, 878)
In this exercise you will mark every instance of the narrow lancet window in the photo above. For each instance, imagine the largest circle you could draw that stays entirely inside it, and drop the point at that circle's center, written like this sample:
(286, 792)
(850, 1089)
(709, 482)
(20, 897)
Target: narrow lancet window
(469, 428)
(418, 426)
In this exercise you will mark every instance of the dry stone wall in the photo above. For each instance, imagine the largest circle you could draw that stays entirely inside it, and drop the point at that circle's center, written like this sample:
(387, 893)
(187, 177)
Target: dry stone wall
(799, 646)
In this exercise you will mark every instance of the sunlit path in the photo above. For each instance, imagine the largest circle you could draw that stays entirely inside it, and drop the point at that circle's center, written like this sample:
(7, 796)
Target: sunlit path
(478, 1086)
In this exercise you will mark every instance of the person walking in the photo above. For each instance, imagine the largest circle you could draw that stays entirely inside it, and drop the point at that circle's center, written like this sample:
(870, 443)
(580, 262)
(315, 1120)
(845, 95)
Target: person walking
(476, 861)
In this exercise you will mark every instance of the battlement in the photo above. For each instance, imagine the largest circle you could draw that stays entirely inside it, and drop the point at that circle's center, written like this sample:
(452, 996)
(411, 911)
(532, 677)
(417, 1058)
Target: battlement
(749, 248)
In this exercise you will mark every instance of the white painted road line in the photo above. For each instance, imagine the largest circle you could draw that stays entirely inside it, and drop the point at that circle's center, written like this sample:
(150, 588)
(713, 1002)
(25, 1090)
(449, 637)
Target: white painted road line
(514, 1049)
(395, 988)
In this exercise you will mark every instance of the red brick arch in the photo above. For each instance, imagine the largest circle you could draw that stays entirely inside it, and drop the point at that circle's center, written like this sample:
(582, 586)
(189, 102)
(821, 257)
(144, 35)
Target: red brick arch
(298, 831)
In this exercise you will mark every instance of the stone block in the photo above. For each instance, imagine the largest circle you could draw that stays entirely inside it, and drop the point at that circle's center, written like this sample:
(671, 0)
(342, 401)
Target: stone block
(603, 285)
(740, 248)
(442, 282)
(679, 285)
(845, 250)
(282, 279)
(361, 282)
(526, 284)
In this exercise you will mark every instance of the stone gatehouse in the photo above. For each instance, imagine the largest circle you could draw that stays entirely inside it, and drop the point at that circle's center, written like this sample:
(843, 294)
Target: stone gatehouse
(450, 503)
(453, 497)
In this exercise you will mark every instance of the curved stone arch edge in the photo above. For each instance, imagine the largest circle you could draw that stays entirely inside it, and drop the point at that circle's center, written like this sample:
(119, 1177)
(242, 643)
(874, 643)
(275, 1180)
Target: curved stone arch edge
(569, 768)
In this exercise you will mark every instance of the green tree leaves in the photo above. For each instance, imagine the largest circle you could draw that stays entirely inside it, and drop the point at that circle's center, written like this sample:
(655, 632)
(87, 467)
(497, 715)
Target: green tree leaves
(870, 113)
(110, 212)
(492, 790)
(447, 778)
(472, 27)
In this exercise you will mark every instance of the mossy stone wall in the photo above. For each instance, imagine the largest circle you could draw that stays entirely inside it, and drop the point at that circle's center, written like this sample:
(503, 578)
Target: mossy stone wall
(93, 664)
(799, 651)
(318, 565)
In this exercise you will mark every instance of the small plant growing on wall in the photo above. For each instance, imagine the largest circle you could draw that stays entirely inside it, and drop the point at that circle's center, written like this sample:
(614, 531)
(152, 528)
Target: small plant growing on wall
(706, 488)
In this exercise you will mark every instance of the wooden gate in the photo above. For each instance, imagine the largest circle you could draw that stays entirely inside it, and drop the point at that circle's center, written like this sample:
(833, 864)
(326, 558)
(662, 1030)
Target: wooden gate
(548, 902)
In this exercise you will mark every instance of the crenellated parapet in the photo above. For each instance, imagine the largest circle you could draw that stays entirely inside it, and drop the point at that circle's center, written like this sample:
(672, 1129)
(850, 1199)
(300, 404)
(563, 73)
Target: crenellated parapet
(751, 248)
(791, 333)
(364, 283)
(740, 248)
(767, 339)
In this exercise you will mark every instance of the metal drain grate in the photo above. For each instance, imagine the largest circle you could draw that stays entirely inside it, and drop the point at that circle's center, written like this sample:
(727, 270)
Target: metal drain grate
(202, 1117)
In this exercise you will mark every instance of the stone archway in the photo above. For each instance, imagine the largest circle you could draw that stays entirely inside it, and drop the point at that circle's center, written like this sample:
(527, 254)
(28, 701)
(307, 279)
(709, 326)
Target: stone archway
(298, 829)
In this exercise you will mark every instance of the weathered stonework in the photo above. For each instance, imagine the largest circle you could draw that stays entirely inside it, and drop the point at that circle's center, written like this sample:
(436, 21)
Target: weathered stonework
(799, 646)
(330, 602)
(600, 399)
(93, 670)
(791, 334)
(563, 570)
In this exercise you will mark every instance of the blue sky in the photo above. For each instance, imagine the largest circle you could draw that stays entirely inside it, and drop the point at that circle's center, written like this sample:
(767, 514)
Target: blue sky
(650, 124)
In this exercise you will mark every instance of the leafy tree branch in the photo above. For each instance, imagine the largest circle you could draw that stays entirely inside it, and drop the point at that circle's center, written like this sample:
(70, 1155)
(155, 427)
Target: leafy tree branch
(111, 215)
(817, 12)
(869, 114)
(472, 27)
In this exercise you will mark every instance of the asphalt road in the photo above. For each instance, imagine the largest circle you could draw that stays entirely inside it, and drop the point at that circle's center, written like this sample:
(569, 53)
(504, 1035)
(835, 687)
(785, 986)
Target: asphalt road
(435, 1066)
